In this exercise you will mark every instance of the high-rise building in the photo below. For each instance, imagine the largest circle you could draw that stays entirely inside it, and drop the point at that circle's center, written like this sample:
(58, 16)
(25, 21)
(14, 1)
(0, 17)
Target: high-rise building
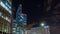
(19, 24)
(5, 17)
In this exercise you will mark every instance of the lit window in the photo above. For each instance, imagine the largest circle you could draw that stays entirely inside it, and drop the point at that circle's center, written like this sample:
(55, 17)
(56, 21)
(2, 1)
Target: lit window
(6, 18)
(18, 28)
(24, 23)
(14, 31)
(0, 14)
(2, 4)
(14, 28)
(8, 5)
(46, 26)
(22, 17)
(9, 20)
(14, 25)
(17, 32)
(5, 30)
(20, 20)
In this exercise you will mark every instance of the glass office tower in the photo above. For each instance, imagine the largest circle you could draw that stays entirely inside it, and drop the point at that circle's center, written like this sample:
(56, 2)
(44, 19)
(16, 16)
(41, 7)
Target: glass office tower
(5, 17)
(19, 23)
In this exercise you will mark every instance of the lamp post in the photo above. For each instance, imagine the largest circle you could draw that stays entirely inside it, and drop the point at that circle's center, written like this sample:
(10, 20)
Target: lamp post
(42, 24)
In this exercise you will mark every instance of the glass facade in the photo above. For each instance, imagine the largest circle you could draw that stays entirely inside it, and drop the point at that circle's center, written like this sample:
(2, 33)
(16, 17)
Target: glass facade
(5, 18)
(5, 27)
(14, 29)
(20, 20)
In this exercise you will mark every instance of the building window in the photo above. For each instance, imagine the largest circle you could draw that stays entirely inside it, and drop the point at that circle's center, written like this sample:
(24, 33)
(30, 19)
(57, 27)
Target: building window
(0, 14)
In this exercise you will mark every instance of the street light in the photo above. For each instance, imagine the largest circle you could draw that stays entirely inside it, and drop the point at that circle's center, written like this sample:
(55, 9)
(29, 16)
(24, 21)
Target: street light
(42, 24)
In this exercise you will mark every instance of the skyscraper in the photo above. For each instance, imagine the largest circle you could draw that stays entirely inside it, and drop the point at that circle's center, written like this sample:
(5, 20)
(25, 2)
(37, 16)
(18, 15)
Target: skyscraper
(20, 21)
(5, 17)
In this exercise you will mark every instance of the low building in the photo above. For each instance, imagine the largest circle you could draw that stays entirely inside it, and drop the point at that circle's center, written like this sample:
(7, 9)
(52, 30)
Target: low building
(39, 30)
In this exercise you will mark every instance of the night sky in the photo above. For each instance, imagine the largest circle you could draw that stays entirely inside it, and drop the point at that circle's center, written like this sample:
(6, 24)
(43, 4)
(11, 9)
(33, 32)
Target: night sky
(35, 10)
(35, 13)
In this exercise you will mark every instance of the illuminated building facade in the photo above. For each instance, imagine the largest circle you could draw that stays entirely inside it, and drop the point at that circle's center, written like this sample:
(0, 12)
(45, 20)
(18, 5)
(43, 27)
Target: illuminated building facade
(39, 30)
(5, 17)
(19, 23)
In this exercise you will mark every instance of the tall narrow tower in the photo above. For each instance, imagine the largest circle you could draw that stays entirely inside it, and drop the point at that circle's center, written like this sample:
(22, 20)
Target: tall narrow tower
(20, 21)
